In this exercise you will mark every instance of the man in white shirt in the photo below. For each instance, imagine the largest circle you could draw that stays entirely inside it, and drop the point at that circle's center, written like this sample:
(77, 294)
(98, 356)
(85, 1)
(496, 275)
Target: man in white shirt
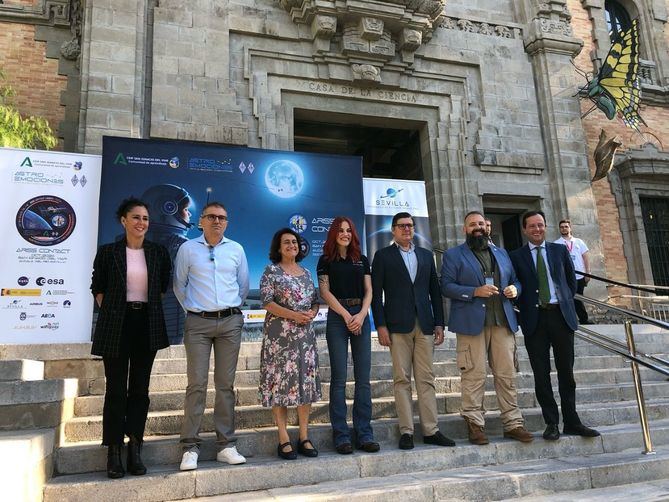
(211, 281)
(578, 251)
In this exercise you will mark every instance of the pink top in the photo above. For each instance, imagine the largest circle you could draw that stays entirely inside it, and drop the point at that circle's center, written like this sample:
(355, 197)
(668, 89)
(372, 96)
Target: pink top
(137, 278)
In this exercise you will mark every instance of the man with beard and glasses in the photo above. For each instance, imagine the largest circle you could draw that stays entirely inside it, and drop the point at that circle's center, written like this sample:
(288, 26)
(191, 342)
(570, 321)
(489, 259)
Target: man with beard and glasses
(480, 281)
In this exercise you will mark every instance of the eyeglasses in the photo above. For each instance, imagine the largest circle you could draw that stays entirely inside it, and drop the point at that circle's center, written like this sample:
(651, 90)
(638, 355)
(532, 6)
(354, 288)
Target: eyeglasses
(214, 217)
(404, 226)
(211, 253)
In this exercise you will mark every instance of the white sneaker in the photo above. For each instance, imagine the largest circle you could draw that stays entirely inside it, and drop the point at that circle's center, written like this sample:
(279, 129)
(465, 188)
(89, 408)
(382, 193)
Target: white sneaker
(189, 461)
(231, 456)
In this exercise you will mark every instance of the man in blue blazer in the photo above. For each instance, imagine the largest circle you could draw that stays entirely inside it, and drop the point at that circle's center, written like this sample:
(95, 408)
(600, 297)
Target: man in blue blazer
(548, 319)
(409, 318)
(479, 279)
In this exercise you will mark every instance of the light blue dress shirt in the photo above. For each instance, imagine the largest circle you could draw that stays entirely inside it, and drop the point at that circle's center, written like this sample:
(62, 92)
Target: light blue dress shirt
(410, 259)
(551, 286)
(210, 278)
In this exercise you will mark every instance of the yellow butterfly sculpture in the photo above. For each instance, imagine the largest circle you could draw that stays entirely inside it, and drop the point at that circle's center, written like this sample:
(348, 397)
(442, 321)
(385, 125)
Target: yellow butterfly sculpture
(616, 88)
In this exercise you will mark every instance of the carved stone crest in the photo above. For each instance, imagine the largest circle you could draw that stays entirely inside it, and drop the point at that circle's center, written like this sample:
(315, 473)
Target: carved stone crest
(368, 35)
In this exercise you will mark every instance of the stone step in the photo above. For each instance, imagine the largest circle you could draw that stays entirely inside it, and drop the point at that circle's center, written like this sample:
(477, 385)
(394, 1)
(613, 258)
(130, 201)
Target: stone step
(646, 491)
(169, 421)
(36, 404)
(379, 358)
(245, 396)
(21, 369)
(27, 463)
(508, 481)
(570, 463)
(249, 378)
(249, 358)
(85, 456)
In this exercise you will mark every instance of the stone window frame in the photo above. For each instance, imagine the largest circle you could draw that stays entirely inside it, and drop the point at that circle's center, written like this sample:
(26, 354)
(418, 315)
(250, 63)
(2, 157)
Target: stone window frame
(638, 172)
(654, 51)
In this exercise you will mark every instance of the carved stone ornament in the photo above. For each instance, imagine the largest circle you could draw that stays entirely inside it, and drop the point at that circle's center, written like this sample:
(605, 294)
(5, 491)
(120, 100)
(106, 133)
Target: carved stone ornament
(70, 50)
(371, 28)
(377, 32)
(366, 72)
(551, 30)
(324, 26)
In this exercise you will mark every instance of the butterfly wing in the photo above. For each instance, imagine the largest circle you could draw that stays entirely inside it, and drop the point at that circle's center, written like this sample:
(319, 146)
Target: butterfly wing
(618, 77)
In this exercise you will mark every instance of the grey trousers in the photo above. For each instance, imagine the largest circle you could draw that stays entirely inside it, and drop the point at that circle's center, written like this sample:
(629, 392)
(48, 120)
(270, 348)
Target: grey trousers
(226, 336)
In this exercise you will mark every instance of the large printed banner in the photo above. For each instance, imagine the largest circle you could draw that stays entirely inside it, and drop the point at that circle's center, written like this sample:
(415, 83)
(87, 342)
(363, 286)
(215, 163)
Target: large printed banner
(383, 199)
(50, 212)
(263, 190)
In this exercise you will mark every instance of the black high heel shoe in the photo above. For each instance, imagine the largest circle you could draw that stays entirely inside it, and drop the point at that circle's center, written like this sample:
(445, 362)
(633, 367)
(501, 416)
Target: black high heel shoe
(286, 455)
(114, 465)
(307, 452)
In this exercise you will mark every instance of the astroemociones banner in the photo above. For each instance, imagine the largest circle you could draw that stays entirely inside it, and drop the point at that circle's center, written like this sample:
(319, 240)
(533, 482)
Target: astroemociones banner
(262, 190)
(50, 212)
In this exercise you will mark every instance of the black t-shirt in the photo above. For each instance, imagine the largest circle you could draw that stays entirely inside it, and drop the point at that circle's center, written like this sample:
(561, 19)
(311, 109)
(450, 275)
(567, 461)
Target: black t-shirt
(347, 278)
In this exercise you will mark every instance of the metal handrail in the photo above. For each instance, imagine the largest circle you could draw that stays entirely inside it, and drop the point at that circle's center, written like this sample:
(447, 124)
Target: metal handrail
(628, 352)
(622, 310)
(613, 345)
(639, 287)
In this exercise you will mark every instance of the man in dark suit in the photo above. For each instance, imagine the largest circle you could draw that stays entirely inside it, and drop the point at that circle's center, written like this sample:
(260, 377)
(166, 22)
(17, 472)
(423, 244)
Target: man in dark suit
(406, 321)
(548, 319)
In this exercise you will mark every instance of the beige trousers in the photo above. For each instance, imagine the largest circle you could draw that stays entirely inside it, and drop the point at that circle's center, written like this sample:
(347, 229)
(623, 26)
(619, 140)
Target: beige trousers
(414, 350)
(499, 345)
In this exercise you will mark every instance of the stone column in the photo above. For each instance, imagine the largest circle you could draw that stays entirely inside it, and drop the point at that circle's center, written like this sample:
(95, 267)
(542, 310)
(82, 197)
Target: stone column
(550, 43)
(113, 73)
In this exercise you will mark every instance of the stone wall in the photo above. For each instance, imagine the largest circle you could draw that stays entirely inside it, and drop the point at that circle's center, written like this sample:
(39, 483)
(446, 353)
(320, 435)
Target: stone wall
(40, 43)
(33, 76)
(619, 262)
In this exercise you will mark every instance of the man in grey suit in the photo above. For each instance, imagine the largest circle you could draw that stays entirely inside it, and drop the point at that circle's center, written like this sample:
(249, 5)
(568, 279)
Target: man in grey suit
(409, 320)
(479, 279)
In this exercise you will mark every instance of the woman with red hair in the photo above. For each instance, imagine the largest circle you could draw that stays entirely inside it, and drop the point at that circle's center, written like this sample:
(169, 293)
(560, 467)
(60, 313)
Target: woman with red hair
(345, 283)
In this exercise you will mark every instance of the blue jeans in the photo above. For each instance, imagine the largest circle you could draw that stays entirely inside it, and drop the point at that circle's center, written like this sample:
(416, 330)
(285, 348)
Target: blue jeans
(361, 349)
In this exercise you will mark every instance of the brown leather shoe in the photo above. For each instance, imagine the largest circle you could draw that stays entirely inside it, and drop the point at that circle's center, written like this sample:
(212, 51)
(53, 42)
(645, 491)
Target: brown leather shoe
(519, 434)
(476, 434)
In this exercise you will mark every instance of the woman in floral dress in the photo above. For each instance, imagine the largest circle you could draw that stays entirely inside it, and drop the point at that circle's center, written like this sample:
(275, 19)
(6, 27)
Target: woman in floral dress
(289, 358)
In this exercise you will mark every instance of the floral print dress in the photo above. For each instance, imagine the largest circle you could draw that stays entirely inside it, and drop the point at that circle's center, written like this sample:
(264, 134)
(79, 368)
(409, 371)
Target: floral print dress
(289, 358)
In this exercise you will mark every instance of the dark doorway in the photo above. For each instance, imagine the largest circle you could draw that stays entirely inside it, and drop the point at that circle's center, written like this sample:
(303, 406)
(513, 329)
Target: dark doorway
(505, 229)
(388, 149)
(655, 212)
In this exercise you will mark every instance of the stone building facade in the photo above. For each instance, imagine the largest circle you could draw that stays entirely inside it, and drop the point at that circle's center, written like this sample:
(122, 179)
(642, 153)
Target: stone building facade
(488, 87)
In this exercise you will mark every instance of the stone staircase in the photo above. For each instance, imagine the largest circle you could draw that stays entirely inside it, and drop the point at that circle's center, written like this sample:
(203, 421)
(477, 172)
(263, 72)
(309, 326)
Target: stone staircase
(503, 469)
(31, 412)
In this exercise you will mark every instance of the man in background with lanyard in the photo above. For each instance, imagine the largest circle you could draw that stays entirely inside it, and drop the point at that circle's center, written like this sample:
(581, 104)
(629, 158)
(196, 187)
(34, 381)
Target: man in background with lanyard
(578, 251)
(480, 281)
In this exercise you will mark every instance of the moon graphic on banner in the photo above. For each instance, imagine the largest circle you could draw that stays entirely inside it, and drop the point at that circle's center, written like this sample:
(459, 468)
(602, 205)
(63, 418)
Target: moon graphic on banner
(284, 178)
(45, 220)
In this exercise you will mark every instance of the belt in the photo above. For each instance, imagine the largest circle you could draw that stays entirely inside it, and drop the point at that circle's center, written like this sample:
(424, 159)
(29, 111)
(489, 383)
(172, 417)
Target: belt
(350, 302)
(136, 305)
(218, 314)
(550, 306)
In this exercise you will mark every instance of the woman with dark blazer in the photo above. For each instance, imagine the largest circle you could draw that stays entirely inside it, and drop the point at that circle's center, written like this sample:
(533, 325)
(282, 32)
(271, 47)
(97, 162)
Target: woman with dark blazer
(129, 277)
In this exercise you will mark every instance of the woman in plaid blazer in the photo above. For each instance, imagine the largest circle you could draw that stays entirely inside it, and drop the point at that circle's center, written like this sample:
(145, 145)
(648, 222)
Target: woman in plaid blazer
(129, 277)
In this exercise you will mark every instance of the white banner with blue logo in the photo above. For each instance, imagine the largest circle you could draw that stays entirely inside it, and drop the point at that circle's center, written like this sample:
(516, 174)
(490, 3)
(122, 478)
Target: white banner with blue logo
(50, 210)
(383, 199)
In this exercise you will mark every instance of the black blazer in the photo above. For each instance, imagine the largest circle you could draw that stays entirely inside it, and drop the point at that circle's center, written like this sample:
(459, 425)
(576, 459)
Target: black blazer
(562, 272)
(109, 278)
(405, 301)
